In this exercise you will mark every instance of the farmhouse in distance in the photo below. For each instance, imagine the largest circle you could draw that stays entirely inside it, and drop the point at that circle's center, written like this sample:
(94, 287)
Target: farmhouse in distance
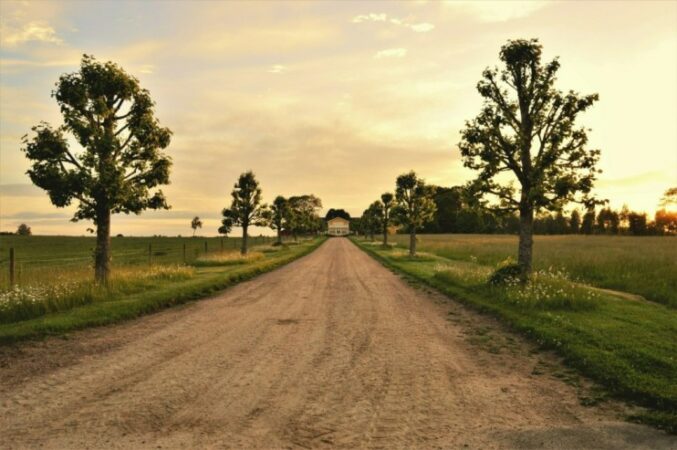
(338, 226)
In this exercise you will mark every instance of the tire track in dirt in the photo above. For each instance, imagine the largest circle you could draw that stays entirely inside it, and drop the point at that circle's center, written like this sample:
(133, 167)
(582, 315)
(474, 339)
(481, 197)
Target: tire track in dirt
(330, 351)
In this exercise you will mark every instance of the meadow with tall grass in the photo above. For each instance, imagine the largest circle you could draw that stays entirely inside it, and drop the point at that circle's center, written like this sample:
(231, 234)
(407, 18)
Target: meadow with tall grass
(624, 342)
(645, 266)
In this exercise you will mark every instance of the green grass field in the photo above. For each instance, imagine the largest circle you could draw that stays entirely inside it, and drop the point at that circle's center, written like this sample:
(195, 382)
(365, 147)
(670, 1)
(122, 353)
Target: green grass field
(645, 266)
(626, 344)
(40, 258)
(53, 298)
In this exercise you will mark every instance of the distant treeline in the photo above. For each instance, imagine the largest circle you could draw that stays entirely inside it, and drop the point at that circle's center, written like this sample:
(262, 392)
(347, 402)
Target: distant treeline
(455, 215)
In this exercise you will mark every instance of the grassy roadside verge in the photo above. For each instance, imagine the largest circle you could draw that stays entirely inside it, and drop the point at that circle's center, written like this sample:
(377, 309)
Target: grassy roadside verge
(628, 347)
(205, 281)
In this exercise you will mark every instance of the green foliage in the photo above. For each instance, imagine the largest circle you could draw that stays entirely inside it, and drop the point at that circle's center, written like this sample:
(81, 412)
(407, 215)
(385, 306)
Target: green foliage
(333, 213)
(277, 215)
(246, 208)
(531, 134)
(302, 214)
(195, 224)
(112, 119)
(372, 219)
(415, 205)
(23, 230)
(121, 162)
(506, 274)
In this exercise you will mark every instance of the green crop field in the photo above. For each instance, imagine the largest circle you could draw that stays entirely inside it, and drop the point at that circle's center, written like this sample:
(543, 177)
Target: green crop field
(625, 342)
(645, 266)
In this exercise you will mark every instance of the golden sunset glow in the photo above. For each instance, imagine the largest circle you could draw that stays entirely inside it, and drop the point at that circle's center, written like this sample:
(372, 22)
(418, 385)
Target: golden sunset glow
(333, 98)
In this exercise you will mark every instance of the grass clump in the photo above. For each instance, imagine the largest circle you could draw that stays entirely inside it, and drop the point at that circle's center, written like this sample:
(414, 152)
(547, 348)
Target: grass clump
(227, 259)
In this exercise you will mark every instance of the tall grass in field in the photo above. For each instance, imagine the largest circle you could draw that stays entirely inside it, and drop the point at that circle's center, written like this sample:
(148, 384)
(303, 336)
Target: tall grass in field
(645, 266)
(63, 290)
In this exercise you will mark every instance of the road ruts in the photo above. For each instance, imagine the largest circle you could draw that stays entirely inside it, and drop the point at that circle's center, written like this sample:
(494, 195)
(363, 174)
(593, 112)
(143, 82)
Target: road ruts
(330, 351)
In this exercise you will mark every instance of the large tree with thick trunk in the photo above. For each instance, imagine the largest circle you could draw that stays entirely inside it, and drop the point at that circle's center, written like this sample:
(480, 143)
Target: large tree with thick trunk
(527, 128)
(120, 162)
(245, 209)
(415, 205)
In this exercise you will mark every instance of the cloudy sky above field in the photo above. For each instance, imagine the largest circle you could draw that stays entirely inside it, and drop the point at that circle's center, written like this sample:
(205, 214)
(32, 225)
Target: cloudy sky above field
(334, 99)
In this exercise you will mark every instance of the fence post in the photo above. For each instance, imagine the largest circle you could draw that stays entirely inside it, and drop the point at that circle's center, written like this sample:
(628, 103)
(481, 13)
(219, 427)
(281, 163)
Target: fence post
(221, 245)
(184, 253)
(11, 266)
(205, 246)
(150, 255)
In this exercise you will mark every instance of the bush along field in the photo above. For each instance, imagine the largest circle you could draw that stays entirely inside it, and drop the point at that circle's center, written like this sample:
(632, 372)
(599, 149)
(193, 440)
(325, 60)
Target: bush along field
(625, 343)
(60, 299)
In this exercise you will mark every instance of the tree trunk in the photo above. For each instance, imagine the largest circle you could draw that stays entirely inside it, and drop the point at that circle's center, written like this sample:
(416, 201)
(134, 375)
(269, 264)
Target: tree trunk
(244, 249)
(102, 252)
(526, 242)
(385, 234)
(279, 236)
(412, 242)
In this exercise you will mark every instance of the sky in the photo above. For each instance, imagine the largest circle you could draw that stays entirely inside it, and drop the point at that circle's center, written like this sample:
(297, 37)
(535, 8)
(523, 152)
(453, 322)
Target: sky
(333, 98)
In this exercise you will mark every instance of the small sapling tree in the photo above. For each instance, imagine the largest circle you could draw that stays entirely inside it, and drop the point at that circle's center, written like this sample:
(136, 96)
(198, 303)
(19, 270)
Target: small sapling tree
(372, 219)
(415, 205)
(277, 216)
(121, 161)
(387, 201)
(527, 128)
(24, 230)
(195, 224)
(245, 209)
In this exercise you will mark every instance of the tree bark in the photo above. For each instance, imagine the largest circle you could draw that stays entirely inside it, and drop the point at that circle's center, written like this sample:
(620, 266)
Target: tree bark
(412, 242)
(244, 249)
(526, 241)
(385, 233)
(102, 252)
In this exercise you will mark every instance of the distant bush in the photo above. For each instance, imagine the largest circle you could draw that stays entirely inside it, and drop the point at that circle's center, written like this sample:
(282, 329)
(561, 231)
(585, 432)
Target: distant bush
(24, 230)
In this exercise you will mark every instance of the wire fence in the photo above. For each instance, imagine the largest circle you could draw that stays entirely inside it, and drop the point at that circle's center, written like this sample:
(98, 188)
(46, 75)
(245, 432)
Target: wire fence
(37, 259)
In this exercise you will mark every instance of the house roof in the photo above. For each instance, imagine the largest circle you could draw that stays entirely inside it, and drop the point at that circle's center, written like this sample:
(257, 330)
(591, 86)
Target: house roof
(337, 219)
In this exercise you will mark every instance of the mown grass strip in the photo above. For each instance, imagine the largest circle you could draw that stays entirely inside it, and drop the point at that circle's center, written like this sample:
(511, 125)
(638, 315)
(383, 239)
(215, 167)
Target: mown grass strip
(166, 294)
(629, 347)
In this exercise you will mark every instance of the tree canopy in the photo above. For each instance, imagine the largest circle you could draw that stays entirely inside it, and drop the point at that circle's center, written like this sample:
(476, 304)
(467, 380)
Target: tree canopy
(527, 128)
(120, 164)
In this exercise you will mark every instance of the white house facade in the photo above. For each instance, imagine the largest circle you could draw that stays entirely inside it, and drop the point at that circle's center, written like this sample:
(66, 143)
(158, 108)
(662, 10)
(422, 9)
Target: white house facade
(338, 226)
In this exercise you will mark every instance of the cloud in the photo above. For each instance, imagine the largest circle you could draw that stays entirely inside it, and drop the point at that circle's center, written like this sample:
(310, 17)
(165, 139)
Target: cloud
(35, 31)
(382, 17)
(371, 17)
(146, 68)
(277, 68)
(422, 27)
(391, 53)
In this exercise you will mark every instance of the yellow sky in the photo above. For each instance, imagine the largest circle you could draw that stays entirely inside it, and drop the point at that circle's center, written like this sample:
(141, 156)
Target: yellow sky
(334, 99)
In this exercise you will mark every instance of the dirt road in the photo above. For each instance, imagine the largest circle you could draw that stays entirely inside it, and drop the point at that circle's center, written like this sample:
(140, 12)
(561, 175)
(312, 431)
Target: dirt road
(332, 350)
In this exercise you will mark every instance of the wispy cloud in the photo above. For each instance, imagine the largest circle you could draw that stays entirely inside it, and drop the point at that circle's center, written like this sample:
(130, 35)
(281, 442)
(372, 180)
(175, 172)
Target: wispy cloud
(423, 27)
(391, 53)
(36, 31)
(147, 68)
(277, 68)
